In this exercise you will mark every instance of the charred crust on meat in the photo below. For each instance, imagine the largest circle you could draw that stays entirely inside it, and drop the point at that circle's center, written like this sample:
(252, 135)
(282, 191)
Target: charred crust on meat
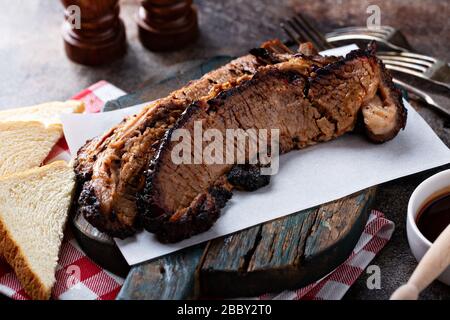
(271, 52)
(306, 88)
(220, 195)
(146, 204)
(89, 203)
(89, 207)
(267, 57)
(81, 173)
(262, 54)
(198, 217)
(330, 68)
(247, 177)
(289, 76)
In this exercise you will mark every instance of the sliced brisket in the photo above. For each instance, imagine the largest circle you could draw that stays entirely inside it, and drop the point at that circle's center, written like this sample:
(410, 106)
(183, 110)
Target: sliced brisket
(307, 98)
(110, 168)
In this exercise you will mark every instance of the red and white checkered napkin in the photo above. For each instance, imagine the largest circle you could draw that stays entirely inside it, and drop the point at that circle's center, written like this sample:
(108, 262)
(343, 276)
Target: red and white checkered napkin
(78, 277)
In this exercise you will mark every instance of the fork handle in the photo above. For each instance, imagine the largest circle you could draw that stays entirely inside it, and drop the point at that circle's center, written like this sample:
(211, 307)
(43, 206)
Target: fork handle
(422, 95)
(444, 84)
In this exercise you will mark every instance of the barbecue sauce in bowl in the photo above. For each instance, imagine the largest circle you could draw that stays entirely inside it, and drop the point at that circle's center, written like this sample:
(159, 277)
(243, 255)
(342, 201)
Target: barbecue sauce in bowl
(434, 216)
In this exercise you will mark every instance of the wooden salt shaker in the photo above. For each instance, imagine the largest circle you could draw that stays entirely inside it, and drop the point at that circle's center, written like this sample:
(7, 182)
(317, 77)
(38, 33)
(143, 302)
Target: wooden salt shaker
(100, 36)
(167, 24)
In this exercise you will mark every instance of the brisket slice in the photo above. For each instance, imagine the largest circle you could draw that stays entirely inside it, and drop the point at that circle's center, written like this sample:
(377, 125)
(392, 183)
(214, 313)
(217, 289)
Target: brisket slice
(307, 104)
(109, 168)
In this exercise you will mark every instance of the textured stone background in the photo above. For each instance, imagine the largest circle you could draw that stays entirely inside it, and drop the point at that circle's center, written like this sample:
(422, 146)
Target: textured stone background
(33, 69)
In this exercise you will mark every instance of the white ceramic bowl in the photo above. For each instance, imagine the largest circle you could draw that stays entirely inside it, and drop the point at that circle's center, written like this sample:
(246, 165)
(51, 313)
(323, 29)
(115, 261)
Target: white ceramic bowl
(417, 241)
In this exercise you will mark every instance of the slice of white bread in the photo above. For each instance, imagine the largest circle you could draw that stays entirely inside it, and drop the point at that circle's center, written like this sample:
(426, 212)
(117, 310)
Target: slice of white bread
(26, 144)
(34, 206)
(28, 134)
(48, 113)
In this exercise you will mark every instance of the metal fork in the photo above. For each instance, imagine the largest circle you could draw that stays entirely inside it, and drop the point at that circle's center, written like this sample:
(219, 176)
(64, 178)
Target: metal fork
(418, 65)
(300, 29)
(386, 35)
(422, 66)
(422, 95)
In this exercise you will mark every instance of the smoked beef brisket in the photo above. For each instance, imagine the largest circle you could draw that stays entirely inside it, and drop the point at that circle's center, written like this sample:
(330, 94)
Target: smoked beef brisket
(308, 99)
(110, 168)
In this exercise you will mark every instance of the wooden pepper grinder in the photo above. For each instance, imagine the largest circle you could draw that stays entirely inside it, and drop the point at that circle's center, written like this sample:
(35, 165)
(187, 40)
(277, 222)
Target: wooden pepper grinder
(98, 36)
(167, 24)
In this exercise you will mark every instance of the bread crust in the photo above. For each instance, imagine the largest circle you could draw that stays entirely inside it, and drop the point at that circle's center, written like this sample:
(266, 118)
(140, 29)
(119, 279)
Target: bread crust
(18, 261)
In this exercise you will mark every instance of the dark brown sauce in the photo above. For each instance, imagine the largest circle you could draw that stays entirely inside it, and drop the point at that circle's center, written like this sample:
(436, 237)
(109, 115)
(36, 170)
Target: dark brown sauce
(434, 216)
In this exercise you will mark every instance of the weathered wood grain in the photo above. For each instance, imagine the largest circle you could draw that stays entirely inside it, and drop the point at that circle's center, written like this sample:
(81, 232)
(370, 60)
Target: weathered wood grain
(336, 219)
(286, 253)
(168, 278)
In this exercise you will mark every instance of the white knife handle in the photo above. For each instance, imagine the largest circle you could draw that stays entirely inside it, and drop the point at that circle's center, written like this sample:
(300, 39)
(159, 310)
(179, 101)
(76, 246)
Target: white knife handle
(433, 263)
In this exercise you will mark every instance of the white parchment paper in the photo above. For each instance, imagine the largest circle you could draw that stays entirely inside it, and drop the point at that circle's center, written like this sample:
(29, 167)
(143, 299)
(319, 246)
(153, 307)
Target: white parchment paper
(306, 178)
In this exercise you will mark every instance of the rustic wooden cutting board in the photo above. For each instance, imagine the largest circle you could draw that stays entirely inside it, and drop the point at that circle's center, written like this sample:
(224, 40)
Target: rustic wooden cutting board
(286, 253)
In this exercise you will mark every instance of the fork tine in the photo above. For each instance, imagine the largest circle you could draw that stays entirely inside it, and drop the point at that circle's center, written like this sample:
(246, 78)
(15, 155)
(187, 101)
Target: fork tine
(287, 30)
(374, 32)
(405, 64)
(382, 28)
(405, 59)
(354, 36)
(308, 27)
(365, 37)
(302, 36)
(423, 95)
(354, 32)
(405, 70)
(410, 55)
